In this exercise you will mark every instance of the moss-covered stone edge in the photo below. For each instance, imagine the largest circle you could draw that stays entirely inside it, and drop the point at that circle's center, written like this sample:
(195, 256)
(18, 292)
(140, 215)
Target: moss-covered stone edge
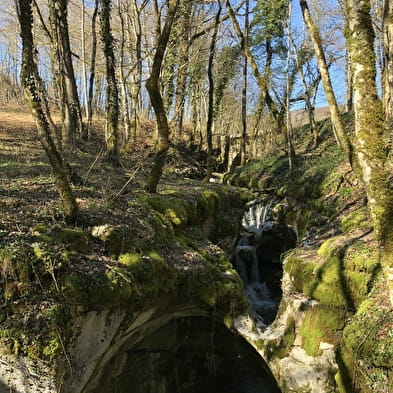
(41, 271)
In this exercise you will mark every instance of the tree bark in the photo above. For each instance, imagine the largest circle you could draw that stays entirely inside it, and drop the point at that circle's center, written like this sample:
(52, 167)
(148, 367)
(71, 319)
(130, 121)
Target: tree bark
(210, 106)
(122, 75)
(153, 87)
(92, 68)
(32, 84)
(369, 130)
(338, 128)
(243, 148)
(112, 93)
(182, 71)
(71, 111)
(388, 63)
(289, 86)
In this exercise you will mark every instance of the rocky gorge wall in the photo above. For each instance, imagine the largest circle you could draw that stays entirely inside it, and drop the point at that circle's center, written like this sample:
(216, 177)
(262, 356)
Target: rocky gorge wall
(143, 302)
(333, 330)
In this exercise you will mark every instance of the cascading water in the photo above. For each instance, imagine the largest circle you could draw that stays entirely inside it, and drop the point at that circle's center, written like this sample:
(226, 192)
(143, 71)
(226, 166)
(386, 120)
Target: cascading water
(258, 260)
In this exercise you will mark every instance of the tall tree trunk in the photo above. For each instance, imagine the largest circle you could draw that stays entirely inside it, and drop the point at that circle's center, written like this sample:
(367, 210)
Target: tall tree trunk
(134, 21)
(112, 93)
(243, 148)
(71, 112)
(338, 128)
(289, 132)
(348, 76)
(388, 63)
(153, 87)
(122, 75)
(182, 71)
(210, 107)
(32, 85)
(369, 130)
(85, 133)
(92, 68)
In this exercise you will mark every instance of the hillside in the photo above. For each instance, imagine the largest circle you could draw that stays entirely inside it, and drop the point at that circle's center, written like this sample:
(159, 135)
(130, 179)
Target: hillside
(136, 267)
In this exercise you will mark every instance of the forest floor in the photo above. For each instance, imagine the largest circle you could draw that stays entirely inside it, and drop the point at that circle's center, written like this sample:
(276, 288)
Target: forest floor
(27, 193)
(104, 193)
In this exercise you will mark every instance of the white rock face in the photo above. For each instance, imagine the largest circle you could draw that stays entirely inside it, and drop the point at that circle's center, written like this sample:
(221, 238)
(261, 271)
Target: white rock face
(300, 372)
(20, 376)
(297, 372)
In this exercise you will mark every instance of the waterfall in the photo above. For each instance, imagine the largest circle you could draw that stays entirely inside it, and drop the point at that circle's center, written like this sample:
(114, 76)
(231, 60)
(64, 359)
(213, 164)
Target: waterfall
(256, 217)
(258, 260)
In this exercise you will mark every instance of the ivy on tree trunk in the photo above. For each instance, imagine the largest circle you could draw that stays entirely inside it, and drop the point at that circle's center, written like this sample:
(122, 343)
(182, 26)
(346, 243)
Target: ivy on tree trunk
(370, 145)
(32, 85)
(153, 87)
(112, 94)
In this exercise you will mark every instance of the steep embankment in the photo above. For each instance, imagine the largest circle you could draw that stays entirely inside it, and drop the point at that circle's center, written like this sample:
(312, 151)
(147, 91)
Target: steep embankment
(334, 328)
(139, 293)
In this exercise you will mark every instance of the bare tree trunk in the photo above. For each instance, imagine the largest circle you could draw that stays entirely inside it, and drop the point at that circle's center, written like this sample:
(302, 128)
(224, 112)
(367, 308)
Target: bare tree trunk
(33, 88)
(369, 130)
(153, 87)
(92, 68)
(122, 76)
(71, 112)
(349, 95)
(289, 131)
(243, 149)
(112, 93)
(182, 72)
(134, 22)
(210, 107)
(84, 61)
(338, 128)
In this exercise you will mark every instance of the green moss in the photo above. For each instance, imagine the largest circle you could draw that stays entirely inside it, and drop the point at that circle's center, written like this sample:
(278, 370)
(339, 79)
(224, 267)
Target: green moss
(330, 246)
(52, 348)
(72, 239)
(208, 203)
(151, 228)
(16, 263)
(77, 240)
(222, 291)
(99, 292)
(51, 258)
(357, 219)
(331, 288)
(171, 208)
(150, 273)
(302, 274)
(367, 348)
(322, 324)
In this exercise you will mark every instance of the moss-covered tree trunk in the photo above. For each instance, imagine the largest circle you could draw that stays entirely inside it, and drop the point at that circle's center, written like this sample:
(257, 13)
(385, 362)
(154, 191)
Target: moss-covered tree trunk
(338, 128)
(135, 32)
(388, 63)
(92, 68)
(122, 75)
(153, 87)
(32, 85)
(71, 111)
(243, 146)
(369, 143)
(112, 94)
(182, 71)
(210, 105)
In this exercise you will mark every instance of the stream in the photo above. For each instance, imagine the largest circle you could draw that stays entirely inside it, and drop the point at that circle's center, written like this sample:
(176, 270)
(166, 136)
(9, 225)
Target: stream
(258, 260)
